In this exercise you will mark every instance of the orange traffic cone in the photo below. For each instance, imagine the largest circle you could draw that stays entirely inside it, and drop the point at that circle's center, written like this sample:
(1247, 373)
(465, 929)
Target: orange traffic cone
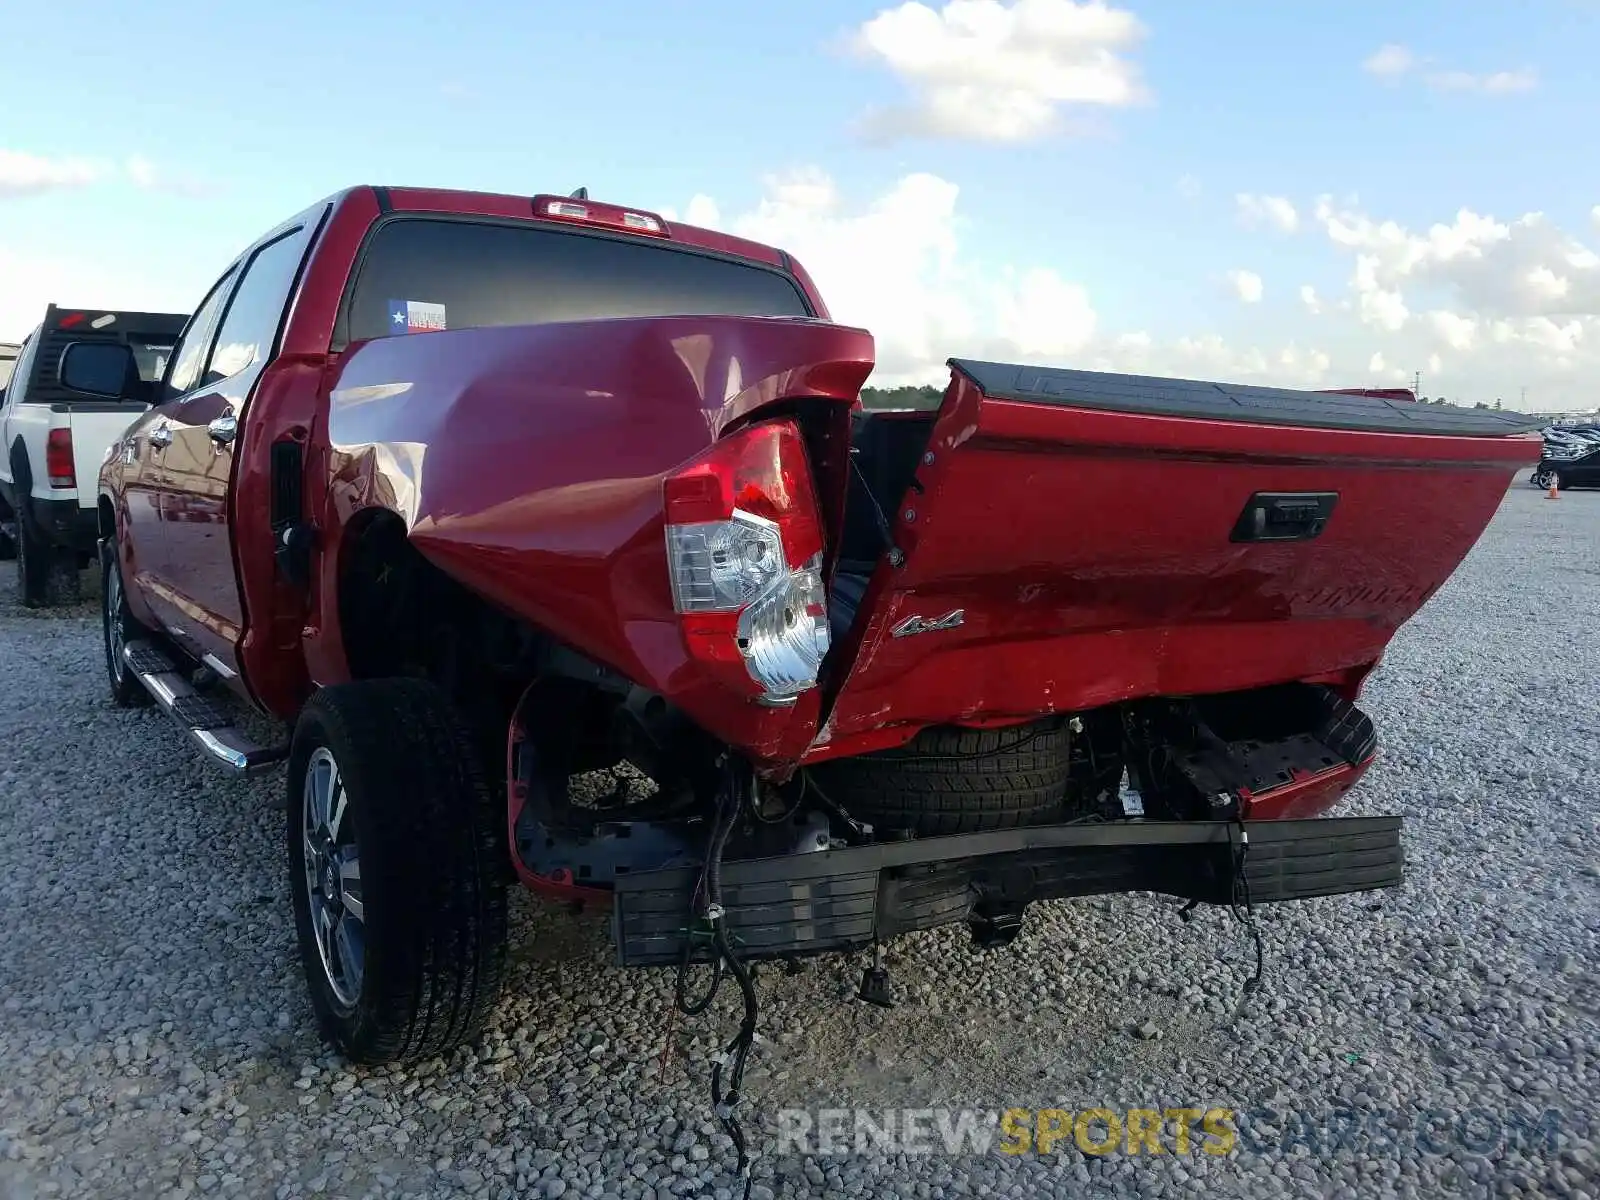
(1554, 493)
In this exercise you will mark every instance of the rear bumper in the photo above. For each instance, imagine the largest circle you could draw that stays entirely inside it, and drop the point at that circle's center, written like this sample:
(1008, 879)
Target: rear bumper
(839, 900)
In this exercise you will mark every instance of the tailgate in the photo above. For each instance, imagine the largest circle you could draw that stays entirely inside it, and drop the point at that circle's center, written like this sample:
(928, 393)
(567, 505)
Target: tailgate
(1069, 539)
(95, 425)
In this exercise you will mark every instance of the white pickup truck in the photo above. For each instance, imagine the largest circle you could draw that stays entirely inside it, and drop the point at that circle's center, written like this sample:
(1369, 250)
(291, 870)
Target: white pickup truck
(52, 441)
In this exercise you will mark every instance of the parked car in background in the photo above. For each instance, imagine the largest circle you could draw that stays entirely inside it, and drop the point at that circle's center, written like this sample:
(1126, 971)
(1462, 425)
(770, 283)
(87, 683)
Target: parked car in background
(1571, 458)
(53, 438)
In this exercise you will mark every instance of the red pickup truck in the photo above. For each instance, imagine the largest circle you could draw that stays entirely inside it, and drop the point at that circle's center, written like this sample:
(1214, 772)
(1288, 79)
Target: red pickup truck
(556, 537)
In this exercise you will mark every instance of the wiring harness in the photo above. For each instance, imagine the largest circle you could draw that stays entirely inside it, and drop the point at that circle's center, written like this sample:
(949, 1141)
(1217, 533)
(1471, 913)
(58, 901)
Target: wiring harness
(711, 933)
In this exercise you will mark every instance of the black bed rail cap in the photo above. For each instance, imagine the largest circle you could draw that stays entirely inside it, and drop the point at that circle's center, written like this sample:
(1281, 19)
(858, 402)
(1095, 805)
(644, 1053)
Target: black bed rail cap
(1155, 395)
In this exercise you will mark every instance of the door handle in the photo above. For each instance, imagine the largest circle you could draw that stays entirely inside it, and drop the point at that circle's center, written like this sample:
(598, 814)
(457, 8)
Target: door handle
(223, 429)
(161, 436)
(1284, 516)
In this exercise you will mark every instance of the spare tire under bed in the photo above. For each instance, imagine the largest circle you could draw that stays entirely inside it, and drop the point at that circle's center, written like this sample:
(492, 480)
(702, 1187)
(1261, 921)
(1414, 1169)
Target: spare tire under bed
(949, 779)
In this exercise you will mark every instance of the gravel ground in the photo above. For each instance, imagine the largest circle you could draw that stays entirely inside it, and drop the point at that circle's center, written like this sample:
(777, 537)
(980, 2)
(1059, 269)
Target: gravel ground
(155, 1038)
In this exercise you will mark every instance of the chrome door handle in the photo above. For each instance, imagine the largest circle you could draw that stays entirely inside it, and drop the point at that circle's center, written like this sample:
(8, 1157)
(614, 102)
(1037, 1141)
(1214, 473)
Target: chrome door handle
(223, 429)
(161, 435)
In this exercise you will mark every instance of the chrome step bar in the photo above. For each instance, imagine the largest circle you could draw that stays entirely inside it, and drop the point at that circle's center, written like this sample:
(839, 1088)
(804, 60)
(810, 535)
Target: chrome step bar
(219, 740)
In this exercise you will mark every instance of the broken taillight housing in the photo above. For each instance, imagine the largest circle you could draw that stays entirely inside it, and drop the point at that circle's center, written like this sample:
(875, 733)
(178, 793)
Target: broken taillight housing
(744, 550)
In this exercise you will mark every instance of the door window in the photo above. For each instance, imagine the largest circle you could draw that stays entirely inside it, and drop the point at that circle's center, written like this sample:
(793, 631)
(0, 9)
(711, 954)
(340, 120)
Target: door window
(250, 328)
(190, 352)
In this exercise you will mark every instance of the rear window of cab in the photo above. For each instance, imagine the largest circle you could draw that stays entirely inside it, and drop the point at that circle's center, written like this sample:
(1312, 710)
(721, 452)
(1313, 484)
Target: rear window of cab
(420, 275)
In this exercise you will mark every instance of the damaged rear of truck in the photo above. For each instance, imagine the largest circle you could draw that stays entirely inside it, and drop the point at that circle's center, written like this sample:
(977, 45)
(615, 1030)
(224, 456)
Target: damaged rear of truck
(1069, 634)
(563, 541)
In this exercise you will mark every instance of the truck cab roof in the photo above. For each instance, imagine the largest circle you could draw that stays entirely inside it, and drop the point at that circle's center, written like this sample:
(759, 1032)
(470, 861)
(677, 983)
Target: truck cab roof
(570, 210)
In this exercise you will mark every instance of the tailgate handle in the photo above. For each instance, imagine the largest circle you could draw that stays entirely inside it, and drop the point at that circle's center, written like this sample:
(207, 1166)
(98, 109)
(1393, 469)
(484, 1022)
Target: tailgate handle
(1284, 516)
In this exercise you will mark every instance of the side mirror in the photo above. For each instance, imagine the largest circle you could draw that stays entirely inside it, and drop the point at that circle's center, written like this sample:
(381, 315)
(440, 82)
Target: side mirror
(101, 369)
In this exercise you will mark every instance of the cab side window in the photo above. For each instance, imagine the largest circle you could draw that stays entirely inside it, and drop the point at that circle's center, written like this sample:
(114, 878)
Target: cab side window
(190, 353)
(249, 330)
(17, 391)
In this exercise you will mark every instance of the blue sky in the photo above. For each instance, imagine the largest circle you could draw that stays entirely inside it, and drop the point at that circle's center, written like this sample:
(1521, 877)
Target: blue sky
(236, 116)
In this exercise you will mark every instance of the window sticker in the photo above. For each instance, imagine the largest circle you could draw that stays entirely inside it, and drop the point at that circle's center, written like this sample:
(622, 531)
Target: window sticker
(415, 316)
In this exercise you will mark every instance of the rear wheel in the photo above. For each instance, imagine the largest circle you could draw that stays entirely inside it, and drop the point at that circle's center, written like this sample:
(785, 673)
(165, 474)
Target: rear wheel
(397, 871)
(953, 780)
(1545, 478)
(46, 576)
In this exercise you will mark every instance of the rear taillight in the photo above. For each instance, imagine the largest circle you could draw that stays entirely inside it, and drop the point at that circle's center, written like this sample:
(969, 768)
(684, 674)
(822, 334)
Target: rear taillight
(58, 459)
(744, 548)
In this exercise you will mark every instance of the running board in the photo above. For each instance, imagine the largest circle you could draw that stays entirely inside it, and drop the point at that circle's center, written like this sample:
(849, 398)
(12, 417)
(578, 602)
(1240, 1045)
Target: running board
(210, 724)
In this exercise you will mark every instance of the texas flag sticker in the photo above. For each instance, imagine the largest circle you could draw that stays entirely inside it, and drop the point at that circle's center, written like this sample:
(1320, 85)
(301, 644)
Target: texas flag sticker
(415, 316)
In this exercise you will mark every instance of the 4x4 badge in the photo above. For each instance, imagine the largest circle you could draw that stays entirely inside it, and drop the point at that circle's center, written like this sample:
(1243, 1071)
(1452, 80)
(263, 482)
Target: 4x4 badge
(927, 625)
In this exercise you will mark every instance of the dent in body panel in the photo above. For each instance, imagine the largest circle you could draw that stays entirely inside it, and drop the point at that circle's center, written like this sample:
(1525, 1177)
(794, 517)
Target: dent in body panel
(528, 464)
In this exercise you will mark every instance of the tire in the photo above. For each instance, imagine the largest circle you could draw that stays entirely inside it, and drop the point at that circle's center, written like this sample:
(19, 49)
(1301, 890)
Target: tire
(952, 780)
(1544, 478)
(46, 577)
(429, 933)
(8, 544)
(117, 626)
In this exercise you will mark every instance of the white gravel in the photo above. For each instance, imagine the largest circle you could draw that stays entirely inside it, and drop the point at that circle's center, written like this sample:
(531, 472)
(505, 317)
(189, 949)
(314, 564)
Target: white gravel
(155, 1039)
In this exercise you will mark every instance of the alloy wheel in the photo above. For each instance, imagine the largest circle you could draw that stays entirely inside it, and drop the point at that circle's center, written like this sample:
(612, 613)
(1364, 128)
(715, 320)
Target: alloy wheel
(332, 864)
(116, 633)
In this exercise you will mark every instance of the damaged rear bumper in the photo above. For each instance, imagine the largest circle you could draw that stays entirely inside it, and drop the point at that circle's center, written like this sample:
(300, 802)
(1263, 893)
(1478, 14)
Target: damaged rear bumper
(839, 900)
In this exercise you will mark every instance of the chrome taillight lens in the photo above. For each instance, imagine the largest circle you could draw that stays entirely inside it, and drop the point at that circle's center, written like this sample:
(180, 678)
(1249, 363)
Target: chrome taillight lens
(744, 550)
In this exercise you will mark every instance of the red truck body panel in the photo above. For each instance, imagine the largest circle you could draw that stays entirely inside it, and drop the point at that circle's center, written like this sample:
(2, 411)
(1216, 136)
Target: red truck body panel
(1089, 552)
(289, 646)
(1087, 548)
(528, 463)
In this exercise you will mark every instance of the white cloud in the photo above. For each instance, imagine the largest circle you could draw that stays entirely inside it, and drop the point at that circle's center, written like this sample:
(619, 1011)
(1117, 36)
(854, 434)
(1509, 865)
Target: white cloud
(1393, 62)
(1494, 83)
(982, 70)
(1510, 302)
(1388, 62)
(1377, 305)
(1525, 267)
(896, 266)
(33, 280)
(141, 172)
(1246, 285)
(1456, 331)
(144, 174)
(1272, 210)
(1460, 301)
(23, 174)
